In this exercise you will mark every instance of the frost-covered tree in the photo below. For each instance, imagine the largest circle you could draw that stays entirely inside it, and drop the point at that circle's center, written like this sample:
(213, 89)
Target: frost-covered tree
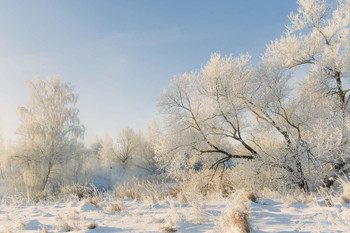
(280, 116)
(121, 150)
(318, 38)
(211, 119)
(125, 147)
(96, 146)
(127, 155)
(147, 150)
(106, 151)
(205, 119)
(128, 150)
(3, 157)
(49, 132)
(144, 156)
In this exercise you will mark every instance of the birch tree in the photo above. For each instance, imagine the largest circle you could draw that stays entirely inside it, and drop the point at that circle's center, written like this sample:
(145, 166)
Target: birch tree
(49, 131)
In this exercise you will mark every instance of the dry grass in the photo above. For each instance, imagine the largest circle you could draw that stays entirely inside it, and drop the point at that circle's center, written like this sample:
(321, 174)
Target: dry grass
(309, 198)
(44, 229)
(345, 195)
(174, 215)
(198, 213)
(66, 227)
(138, 189)
(344, 200)
(168, 227)
(73, 216)
(235, 219)
(268, 193)
(115, 207)
(182, 199)
(7, 231)
(328, 202)
(77, 191)
(21, 225)
(76, 225)
(92, 226)
(290, 199)
(158, 220)
(245, 196)
(251, 197)
(197, 185)
(62, 225)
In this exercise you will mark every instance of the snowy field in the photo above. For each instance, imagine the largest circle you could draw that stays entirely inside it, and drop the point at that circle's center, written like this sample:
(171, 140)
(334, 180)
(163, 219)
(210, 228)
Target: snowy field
(265, 215)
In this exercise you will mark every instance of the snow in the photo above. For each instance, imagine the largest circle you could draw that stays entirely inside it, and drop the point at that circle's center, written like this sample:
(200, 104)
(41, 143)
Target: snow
(266, 215)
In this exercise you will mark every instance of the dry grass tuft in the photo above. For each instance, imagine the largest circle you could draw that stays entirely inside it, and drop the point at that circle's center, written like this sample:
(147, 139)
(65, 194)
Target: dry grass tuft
(328, 202)
(152, 187)
(73, 216)
(97, 197)
(66, 227)
(198, 213)
(92, 225)
(345, 196)
(115, 207)
(62, 225)
(76, 225)
(234, 219)
(344, 200)
(22, 225)
(78, 191)
(158, 220)
(174, 215)
(251, 197)
(44, 229)
(182, 199)
(309, 198)
(244, 196)
(290, 199)
(169, 227)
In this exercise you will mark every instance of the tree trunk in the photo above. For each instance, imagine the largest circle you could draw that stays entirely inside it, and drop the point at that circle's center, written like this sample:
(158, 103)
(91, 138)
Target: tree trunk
(46, 178)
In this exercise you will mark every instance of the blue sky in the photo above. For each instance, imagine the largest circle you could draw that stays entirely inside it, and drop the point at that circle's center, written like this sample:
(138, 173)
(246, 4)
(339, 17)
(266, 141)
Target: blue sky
(120, 55)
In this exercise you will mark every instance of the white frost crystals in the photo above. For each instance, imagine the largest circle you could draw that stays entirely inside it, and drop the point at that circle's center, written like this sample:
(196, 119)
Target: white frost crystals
(49, 133)
(231, 111)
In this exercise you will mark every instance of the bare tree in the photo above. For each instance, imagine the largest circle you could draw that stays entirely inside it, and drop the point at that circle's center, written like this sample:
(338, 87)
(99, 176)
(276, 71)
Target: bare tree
(125, 146)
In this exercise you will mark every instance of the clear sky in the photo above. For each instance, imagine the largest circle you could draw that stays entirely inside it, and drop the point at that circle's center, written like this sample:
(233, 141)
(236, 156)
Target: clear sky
(120, 55)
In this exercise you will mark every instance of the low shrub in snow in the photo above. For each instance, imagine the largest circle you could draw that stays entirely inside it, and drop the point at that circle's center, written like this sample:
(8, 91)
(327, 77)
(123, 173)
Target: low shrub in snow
(345, 195)
(244, 196)
(77, 191)
(44, 230)
(115, 207)
(138, 189)
(169, 227)
(235, 219)
(92, 226)
(199, 215)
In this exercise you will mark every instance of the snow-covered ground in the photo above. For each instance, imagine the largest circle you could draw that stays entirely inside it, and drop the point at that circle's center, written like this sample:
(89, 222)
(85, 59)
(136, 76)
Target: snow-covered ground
(126, 215)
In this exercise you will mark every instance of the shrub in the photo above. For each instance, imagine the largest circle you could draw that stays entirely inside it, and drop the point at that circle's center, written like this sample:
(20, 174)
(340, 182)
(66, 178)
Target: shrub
(115, 207)
(92, 226)
(137, 189)
(345, 195)
(198, 213)
(235, 219)
(78, 191)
